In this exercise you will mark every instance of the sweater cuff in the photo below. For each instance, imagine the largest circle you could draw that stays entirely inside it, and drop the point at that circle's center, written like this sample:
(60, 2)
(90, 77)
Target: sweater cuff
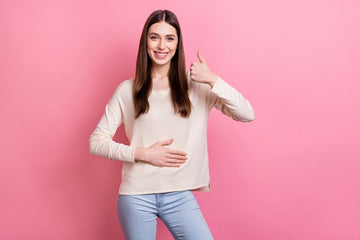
(218, 86)
(128, 153)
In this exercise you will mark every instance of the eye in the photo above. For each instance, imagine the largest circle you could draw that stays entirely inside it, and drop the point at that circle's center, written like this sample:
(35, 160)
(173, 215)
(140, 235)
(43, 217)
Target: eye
(170, 39)
(153, 37)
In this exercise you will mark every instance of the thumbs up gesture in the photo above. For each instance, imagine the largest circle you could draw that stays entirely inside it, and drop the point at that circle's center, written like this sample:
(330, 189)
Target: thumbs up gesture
(200, 72)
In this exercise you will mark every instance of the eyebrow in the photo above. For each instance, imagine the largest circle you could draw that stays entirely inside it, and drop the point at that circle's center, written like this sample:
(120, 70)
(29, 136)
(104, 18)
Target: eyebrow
(168, 35)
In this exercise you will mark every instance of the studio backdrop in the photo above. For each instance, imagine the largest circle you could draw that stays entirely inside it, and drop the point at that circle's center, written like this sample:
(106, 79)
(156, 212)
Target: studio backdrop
(291, 174)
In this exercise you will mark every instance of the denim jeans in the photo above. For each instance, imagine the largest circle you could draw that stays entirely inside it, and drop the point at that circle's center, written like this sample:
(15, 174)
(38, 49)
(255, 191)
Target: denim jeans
(179, 211)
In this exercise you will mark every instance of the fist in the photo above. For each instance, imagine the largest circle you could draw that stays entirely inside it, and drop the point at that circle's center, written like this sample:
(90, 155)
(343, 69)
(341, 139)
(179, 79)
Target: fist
(200, 72)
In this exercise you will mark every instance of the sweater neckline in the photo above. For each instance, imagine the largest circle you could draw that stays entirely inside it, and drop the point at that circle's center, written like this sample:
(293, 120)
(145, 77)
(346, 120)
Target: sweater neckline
(160, 92)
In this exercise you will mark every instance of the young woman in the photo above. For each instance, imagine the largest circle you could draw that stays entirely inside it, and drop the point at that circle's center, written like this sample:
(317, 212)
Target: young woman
(165, 112)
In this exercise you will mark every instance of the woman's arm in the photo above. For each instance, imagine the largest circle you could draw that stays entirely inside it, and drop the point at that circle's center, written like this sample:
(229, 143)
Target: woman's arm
(102, 144)
(223, 96)
(230, 102)
(101, 140)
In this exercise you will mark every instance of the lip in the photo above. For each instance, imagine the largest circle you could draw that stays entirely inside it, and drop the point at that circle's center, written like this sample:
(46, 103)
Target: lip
(161, 55)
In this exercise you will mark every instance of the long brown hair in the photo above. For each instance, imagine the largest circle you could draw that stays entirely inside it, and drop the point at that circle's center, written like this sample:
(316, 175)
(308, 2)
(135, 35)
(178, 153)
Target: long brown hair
(177, 73)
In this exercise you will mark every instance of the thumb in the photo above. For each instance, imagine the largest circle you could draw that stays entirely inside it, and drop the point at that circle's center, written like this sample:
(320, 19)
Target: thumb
(166, 142)
(201, 59)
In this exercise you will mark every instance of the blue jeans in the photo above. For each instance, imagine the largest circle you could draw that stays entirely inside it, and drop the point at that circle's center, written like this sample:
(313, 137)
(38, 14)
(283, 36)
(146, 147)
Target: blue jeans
(179, 211)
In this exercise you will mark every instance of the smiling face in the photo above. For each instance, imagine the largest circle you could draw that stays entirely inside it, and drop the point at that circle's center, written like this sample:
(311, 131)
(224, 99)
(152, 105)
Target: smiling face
(162, 41)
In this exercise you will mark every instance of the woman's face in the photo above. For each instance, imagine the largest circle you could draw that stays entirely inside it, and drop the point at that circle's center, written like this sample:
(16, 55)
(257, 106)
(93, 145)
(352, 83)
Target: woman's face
(162, 41)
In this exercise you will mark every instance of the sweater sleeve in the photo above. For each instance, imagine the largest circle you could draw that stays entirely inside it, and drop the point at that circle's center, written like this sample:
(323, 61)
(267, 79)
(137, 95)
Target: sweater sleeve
(230, 102)
(101, 140)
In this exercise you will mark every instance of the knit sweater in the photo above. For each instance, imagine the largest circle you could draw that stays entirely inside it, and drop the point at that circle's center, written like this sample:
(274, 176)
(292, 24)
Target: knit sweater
(161, 123)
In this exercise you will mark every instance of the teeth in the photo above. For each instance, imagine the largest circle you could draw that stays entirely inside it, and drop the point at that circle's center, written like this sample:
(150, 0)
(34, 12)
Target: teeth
(161, 54)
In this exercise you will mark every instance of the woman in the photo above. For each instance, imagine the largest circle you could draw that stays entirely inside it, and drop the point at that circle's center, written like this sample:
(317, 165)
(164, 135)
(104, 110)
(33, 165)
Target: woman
(165, 111)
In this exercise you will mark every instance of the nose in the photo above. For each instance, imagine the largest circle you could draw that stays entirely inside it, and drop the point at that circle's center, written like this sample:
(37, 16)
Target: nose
(161, 44)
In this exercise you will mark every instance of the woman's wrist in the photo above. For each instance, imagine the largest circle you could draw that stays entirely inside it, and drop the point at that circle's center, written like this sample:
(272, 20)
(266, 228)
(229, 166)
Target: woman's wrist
(140, 154)
(213, 80)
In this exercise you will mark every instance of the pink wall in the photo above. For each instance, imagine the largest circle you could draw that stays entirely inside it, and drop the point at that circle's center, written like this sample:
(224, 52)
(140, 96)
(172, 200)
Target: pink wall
(293, 173)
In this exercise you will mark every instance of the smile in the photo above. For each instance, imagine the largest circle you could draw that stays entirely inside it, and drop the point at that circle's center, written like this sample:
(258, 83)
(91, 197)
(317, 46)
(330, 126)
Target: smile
(161, 54)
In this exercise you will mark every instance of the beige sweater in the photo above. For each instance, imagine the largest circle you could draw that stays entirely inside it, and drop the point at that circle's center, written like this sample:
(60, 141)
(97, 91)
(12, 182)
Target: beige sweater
(160, 123)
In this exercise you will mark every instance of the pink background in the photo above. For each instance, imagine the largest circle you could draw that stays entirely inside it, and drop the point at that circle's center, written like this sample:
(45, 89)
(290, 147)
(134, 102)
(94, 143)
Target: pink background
(293, 173)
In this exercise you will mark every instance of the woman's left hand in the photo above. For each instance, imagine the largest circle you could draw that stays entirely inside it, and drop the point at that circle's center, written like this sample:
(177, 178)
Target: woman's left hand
(200, 72)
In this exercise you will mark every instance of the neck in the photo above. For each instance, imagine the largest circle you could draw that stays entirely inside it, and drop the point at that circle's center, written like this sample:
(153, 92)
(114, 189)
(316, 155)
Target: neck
(159, 77)
(160, 71)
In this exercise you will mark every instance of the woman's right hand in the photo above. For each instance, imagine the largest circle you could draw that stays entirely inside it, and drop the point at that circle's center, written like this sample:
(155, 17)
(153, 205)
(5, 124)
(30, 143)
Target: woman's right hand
(159, 155)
